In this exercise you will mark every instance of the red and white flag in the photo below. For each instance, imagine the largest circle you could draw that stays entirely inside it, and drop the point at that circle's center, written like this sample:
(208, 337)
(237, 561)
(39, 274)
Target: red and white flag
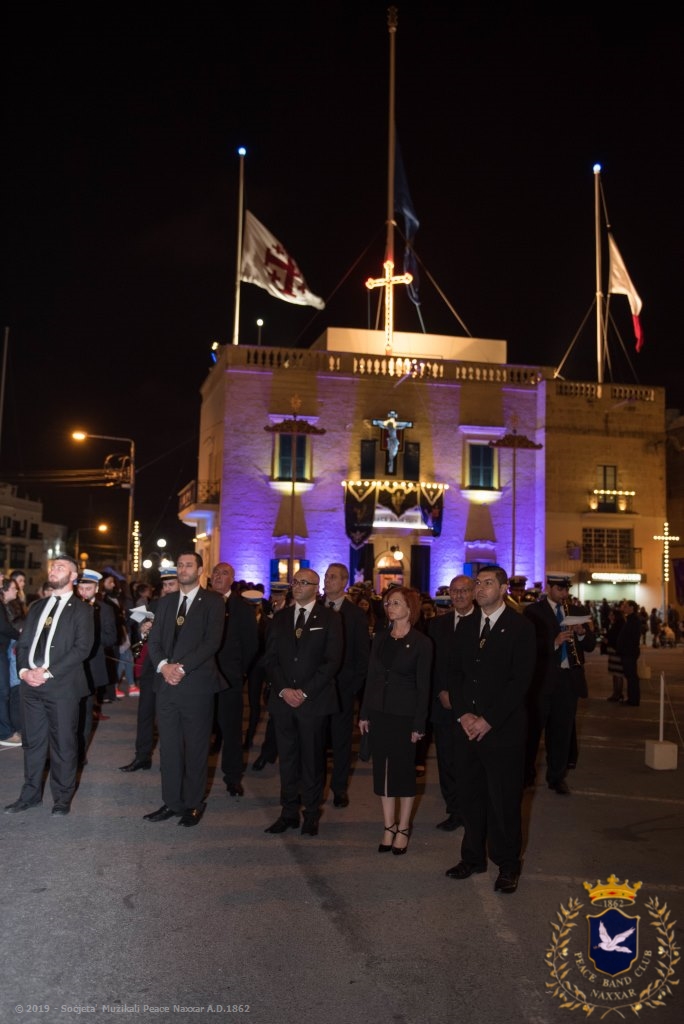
(267, 264)
(620, 283)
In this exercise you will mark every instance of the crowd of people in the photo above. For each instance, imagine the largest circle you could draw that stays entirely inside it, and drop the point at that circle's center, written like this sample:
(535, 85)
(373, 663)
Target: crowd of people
(477, 672)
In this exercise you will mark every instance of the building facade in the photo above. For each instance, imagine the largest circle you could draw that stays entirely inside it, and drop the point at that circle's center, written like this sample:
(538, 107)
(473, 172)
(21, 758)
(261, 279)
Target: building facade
(425, 463)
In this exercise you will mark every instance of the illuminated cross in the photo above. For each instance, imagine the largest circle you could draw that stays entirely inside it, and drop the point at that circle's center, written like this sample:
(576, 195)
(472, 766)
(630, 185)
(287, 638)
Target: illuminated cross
(665, 537)
(387, 282)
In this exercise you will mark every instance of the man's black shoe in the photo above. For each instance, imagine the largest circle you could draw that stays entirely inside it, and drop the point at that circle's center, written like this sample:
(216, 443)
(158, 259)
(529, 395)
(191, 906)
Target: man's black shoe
(192, 816)
(235, 789)
(506, 882)
(163, 814)
(560, 787)
(261, 762)
(341, 800)
(21, 805)
(450, 824)
(282, 825)
(310, 825)
(463, 870)
(61, 809)
(136, 765)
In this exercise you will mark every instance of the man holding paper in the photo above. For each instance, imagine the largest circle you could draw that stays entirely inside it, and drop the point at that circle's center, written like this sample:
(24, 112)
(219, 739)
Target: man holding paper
(564, 635)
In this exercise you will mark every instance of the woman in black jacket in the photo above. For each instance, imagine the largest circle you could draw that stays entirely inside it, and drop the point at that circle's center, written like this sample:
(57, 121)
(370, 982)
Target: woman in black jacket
(394, 711)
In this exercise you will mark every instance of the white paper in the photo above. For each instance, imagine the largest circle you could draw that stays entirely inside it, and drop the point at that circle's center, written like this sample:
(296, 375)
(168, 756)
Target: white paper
(575, 620)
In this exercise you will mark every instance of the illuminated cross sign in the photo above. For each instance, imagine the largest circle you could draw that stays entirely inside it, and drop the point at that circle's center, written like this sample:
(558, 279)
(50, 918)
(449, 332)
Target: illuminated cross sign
(388, 282)
(666, 537)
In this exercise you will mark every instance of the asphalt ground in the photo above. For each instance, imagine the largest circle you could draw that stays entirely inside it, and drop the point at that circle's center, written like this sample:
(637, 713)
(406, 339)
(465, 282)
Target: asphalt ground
(106, 916)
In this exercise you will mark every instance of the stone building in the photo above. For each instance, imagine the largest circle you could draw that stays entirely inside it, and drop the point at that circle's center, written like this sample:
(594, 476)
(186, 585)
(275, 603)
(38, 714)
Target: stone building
(425, 463)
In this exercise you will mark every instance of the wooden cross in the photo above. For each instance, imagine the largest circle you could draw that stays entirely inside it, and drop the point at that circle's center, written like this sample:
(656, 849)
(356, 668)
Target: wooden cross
(387, 282)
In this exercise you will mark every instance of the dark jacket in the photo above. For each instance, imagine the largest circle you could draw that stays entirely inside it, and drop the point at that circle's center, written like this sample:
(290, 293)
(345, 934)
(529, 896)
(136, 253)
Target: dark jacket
(310, 664)
(198, 641)
(71, 644)
(548, 659)
(492, 681)
(403, 689)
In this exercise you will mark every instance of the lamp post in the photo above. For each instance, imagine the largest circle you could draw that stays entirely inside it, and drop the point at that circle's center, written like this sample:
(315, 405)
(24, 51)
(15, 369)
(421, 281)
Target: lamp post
(100, 528)
(260, 324)
(81, 435)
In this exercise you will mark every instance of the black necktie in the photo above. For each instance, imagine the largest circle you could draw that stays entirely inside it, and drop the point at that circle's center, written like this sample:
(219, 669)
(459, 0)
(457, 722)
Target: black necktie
(41, 645)
(300, 623)
(180, 618)
(484, 635)
(563, 647)
(331, 604)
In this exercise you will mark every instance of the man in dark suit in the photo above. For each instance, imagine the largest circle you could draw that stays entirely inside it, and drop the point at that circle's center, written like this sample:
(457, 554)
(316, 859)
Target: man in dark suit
(183, 644)
(147, 701)
(104, 623)
(239, 649)
(442, 630)
(494, 662)
(303, 654)
(350, 677)
(558, 679)
(629, 648)
(56, 640)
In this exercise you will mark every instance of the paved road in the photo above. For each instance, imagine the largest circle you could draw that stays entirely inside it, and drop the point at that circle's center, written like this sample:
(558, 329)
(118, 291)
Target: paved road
(102, 909)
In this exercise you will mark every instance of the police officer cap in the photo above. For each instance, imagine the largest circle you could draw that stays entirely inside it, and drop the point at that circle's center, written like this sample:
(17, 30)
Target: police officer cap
(90, 576)
(168, 572)
(560, 579)
(253, 596)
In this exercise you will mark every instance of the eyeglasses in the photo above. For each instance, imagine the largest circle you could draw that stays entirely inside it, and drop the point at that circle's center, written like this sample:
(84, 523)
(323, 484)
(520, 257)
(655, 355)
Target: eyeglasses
(304, 583)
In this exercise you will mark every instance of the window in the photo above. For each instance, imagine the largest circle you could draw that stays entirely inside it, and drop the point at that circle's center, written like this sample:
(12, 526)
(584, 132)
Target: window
(606, 477)
(412, 461)
(481, 466)
(282, 457)
(609, 547)
(368, 460)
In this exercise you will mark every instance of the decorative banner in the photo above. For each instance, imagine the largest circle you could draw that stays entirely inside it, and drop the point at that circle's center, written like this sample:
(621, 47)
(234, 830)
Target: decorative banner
(432, 507)
(359, 511)
(397, 499)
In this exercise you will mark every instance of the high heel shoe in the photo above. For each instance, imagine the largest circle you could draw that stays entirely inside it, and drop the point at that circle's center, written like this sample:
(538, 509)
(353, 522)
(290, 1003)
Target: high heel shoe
(392, 829)
(398, 850)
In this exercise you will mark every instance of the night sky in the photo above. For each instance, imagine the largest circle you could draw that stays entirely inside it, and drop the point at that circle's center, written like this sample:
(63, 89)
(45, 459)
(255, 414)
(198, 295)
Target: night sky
(120, 204)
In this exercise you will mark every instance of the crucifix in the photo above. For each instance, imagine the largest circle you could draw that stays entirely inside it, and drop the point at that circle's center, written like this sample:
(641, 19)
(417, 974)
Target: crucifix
(391, 424)
(665, 537)
(388, 282)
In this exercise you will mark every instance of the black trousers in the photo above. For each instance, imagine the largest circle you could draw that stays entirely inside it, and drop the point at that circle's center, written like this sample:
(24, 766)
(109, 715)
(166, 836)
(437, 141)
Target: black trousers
(301, 755)
(445, 748)
(184, 737)
(229, 712)
(490, 782)
(50, 723)
(341, 734)
(552, 712)
(147, 710)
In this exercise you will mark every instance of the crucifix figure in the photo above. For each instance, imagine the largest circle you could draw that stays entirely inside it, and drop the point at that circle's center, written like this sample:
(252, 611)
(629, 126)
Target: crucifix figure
(391, 424)
(388, 282)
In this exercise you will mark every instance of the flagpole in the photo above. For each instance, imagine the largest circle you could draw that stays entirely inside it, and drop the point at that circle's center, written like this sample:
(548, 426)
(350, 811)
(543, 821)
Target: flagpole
(599, 293)
(238, 261)
(392, 27)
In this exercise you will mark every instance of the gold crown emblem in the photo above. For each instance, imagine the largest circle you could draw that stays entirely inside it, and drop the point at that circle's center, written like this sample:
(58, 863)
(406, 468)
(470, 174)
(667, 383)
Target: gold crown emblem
(613, 889)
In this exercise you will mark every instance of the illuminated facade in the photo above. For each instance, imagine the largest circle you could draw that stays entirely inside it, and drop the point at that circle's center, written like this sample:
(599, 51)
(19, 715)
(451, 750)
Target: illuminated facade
(426, 463)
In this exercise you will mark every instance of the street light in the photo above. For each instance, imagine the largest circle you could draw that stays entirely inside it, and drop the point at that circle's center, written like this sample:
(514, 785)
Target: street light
(131, 551)
(260, 324)
(100, 528)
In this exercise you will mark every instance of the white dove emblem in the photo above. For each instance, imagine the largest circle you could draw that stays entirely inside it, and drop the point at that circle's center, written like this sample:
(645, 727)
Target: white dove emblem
(613, 945)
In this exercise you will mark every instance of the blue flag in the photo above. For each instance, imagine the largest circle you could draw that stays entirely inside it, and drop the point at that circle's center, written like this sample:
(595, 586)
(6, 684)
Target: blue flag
(404, 206)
